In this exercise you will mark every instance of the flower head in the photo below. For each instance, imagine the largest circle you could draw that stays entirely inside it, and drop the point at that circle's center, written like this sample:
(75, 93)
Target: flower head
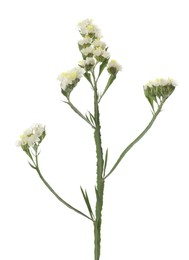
(88, 51)
(88, 63)
(159, 89)
(114, 67)
(68, 80)
(101, 54)
(99, 43)
(87, 28)
(31, 137)
(85, 42)
(91, 45)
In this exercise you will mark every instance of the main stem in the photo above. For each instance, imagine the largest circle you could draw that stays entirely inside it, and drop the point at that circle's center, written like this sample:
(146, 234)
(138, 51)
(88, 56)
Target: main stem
(100, 180)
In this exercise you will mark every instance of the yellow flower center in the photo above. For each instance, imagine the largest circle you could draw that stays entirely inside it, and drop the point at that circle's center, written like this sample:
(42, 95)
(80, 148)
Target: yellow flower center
(64, 74)
(90, 27)
(73, 75)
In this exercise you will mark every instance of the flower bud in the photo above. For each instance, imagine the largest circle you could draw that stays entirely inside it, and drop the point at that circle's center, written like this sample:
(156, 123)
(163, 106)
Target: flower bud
(101, 55)
(32, 137)
(68, 80)
(87, 28)
(159, 89)
(114, 67)
(88, 51)
(87, 64)
(99, 43)
(85, 42)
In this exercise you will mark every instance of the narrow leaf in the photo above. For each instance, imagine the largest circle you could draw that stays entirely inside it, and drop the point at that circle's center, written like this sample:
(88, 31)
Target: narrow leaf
(82, 192)
(32, 166)
(105, 161)
(65, 102)
(110, 81)
(151, 101)
(102, 67)
(97, 195)
(97, 199)
(88, 204)
(86, 199)
(92, 118)
(80, 47)
(87, 75)
(64, 92)
(87, 118)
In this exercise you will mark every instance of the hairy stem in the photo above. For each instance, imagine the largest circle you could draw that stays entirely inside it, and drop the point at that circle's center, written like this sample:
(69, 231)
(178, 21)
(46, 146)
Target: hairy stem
(100, 180)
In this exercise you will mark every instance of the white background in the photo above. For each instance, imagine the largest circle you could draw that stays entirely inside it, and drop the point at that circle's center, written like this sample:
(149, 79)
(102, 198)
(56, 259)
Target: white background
(146, 214)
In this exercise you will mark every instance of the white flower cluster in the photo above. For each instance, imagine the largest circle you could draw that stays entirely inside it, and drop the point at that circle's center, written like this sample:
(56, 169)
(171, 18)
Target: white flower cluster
(93, 51)
(87, 28)
(159, 89)
(87, 62)
(91, 44)
(113, 67)
(100, 52)
(85, 41)
(99, 43)
(160, 82)
(88, 51)
(70, 78)
(32, 136)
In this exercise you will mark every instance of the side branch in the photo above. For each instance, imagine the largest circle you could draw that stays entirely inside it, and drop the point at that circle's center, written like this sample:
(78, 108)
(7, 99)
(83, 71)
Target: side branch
(55, 194)
(78, 112)
(136, 140)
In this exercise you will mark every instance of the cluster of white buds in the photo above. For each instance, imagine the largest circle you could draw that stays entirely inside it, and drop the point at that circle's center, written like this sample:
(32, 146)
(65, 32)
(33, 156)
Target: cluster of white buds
(88, 63)
(31, 137)
(91, 44)
(88, 28)
(159, 89)
(94, 51)
(68, 80)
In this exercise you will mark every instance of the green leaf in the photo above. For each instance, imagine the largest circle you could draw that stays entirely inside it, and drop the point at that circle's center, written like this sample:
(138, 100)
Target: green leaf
(97, 199)
(87, 118)
(64, 92)
(32, 166)
(110, 81)
(92, 118)
(80, 47)
(151, 101)
(105, 162)
(87, 75)
(102, 67)
(88, 204)
(97, 195)
(83, 193)
(86, 199)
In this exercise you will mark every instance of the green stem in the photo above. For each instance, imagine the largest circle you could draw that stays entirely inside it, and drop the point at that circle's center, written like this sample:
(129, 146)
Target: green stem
(100, 180)
(55, 194)
(137, 139)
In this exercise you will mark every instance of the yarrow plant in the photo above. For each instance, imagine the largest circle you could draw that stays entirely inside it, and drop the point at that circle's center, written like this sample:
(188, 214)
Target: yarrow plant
(95, 61)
